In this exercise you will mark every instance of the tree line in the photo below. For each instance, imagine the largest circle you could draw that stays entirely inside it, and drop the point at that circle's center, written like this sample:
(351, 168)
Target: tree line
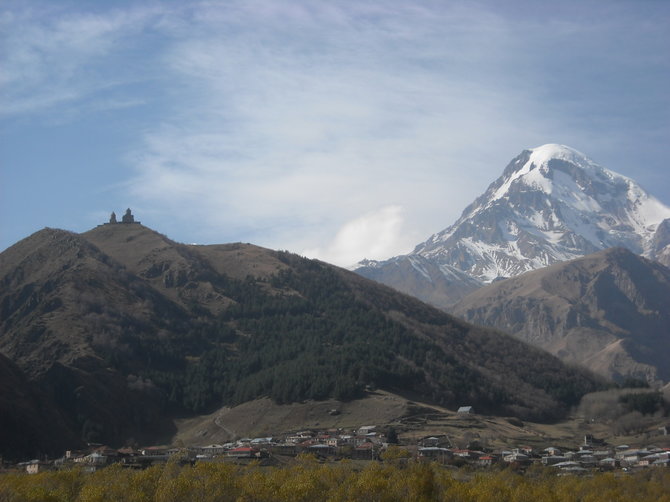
(307, 333)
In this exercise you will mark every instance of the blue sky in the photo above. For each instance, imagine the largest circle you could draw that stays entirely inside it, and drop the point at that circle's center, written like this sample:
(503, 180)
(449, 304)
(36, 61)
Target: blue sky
(338, 130)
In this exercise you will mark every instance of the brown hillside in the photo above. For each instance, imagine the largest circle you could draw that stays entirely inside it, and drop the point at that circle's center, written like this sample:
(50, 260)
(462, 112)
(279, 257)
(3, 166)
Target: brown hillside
(608, 311)
(125, 330)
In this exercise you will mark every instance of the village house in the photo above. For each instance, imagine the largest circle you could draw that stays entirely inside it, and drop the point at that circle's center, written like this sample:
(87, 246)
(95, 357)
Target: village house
(37, 466)
(435, 453)
(304, 445)
(600, 454)
(212, 450)
(590, 441)
(299, 437)
(486, 460)
(127, 451)
(364, 451)
(608, 463)
(467, 454)
(244, 452)
(644, 462)
(570, 467)
(439, 440)
(365, 430)
(154, 450)
(334, 441)
(517, 458)
(631, 458)
(96, 459)
(587, 461)
(429, 442)
(553, 459)
(324, 437)
(262, 441)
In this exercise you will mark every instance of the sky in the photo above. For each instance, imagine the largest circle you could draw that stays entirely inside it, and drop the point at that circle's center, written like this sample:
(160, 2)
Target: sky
(339, 130)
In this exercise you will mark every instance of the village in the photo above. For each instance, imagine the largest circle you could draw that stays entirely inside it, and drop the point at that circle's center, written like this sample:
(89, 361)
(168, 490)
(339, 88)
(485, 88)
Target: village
(374, 443)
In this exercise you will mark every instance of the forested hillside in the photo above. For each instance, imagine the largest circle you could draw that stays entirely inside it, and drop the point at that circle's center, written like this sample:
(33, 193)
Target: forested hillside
(124, 329)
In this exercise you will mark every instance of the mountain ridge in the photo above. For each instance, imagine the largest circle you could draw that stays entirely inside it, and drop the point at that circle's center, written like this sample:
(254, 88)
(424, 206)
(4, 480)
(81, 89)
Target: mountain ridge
(607, 311)
(125, 329)
(550, 204)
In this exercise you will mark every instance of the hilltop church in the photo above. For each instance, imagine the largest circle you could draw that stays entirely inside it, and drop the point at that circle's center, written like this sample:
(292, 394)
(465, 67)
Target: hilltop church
(126, 218)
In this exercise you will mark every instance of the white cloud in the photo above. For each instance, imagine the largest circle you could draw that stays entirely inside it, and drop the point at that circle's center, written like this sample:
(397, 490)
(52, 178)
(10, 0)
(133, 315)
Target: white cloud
(375, 235)
(55, 57)
(284, 133)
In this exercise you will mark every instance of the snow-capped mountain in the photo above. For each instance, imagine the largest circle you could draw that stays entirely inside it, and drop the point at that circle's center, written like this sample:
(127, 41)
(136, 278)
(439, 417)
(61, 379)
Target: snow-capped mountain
(551, 204)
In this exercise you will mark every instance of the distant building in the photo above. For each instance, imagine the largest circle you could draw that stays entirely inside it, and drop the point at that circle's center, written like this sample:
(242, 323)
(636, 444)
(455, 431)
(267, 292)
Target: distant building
(590, 440)
(486, 460)
(244, 452)
(36, 466)
(126, 218)
(366, 429)
(435, 452)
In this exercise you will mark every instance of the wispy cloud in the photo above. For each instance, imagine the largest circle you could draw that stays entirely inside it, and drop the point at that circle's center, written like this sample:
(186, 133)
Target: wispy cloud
(374, 236)
(337, 129)
(324, 120)
(52, 57)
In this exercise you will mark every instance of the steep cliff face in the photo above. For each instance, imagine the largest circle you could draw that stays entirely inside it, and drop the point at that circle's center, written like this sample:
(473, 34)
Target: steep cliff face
(551, 204)
(660, 245)
(607, 311)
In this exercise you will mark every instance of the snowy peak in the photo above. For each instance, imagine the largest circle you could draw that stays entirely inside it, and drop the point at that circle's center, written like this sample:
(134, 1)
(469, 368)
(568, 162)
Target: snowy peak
(570, 179)
(552, 203)
(568, 176)
(537, 171)
(541, 156)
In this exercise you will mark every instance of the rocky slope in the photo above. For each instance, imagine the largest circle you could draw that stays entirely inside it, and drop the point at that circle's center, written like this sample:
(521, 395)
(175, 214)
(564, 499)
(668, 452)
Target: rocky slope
(608, 311)
(551, 204)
